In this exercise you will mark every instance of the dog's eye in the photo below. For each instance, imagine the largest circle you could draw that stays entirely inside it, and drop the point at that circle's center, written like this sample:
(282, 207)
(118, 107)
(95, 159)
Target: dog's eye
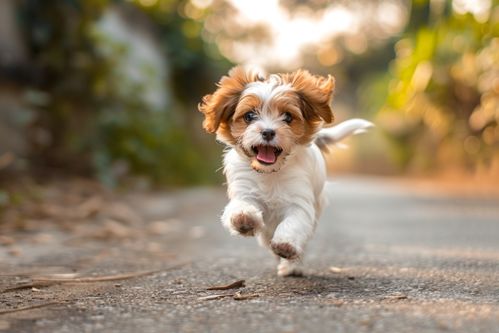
(249, 116)
(287, 117)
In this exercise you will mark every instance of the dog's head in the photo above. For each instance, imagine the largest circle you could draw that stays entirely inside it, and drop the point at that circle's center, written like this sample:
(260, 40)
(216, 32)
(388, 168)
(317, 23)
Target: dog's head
(266, 117)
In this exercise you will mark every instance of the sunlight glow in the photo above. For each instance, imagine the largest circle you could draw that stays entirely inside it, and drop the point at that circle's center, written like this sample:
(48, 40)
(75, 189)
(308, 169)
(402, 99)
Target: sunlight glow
(258, 11)
(479, 8)
(202, 4)
(293, 33)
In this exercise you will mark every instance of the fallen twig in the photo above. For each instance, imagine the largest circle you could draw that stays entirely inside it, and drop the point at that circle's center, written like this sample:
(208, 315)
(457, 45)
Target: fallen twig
(28, 307)
(233, 285)
(44, 281)
(241, 297)
(212, 297)
(38, 282)
(396, 296)
(29, 285)
(335, 269)
(236, 296)
(90, 279)
(31, 273)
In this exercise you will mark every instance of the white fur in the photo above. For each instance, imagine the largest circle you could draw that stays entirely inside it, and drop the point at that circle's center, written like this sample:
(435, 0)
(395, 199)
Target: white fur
(342, 130)
(285, 204)
(266, 90)
(281, 203)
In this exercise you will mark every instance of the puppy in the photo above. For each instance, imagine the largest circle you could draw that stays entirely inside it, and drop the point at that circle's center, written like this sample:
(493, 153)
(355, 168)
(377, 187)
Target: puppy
(275, 128)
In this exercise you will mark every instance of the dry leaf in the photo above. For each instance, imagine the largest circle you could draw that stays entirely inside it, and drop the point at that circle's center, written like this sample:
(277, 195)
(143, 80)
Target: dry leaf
(42, 238)
(29, 307)
(57, 279)
(6, 240)
(233, 285)
(115, 229)
(44, 281)
(89, 207)
(337, 302)
(335, 269)
(212, 297)
(60, 276)
(14, 251)
(396, 295)
(240, 297)
(163, 227)
(121, 212)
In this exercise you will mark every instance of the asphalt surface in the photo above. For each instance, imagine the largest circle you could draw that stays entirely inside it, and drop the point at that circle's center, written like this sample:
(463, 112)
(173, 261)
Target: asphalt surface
(387, 256)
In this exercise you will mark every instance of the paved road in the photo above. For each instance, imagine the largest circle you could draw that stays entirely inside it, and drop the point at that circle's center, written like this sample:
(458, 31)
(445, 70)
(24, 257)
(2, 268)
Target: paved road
(404, 258)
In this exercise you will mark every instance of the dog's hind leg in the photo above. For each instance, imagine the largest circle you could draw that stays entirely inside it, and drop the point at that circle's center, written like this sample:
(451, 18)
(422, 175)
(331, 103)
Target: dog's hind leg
(289, 267)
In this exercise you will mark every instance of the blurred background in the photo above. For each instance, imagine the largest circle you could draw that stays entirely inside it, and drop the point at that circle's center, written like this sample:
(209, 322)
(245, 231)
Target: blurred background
(108, 89)
(107, 175)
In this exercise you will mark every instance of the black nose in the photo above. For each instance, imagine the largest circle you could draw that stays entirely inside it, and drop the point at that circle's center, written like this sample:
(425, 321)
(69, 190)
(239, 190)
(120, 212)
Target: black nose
(268, 134)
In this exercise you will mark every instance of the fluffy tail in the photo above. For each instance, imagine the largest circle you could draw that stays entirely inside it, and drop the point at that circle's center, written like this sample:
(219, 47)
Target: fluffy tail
(333, 135)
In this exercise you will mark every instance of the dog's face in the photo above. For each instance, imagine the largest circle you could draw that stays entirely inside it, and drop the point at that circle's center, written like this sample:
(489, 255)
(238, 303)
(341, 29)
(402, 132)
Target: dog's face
(266, 118)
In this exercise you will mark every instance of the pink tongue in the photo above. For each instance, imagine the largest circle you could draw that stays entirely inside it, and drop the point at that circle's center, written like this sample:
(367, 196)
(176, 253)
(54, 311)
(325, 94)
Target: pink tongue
(266, 154)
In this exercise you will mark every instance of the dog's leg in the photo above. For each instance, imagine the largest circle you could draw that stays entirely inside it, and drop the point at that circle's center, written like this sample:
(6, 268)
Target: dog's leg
(289, 267)
(292, 234)
(242, 218)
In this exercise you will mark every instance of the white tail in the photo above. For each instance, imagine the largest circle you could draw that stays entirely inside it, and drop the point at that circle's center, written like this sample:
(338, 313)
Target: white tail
(333, 135)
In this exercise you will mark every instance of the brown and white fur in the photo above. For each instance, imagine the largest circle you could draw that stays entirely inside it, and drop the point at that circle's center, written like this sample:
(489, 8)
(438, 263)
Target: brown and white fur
(275, 128)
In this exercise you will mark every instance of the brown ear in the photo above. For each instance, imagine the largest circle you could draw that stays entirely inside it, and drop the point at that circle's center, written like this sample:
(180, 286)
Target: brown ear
(219, 107)
(316, 94)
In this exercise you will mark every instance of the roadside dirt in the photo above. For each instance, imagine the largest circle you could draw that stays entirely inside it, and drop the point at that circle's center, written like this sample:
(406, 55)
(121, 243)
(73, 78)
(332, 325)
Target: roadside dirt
(386, 257)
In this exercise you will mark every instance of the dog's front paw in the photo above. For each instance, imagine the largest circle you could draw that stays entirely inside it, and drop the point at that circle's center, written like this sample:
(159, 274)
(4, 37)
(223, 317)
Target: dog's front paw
(285, 250)
(244, 224)
(242, 218)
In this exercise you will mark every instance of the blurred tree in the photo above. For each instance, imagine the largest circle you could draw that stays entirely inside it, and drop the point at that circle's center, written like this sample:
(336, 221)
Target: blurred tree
(442, 108)
(92, 118)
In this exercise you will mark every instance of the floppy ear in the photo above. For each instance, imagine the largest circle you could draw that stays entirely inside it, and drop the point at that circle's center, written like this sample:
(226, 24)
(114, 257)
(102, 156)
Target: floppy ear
(316, 94)
(219, 107)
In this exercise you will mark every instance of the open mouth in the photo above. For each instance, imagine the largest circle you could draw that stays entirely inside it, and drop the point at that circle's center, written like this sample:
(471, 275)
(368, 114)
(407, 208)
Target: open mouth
(266, 154)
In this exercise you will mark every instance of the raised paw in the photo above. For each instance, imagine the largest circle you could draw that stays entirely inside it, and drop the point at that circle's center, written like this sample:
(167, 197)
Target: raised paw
(244, 224)
(284, 250)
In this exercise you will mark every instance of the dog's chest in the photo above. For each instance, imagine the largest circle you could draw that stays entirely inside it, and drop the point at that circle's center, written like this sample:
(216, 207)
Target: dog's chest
(297, 182)
(276, 190)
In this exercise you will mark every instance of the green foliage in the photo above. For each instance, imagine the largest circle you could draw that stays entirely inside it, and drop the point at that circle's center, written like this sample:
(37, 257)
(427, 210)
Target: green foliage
(443, 97)
(95, 118)
(148, 144)
(4, 199)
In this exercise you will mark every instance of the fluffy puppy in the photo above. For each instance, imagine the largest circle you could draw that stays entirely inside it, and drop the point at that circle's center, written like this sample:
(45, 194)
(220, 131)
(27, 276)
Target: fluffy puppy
(275, 128)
